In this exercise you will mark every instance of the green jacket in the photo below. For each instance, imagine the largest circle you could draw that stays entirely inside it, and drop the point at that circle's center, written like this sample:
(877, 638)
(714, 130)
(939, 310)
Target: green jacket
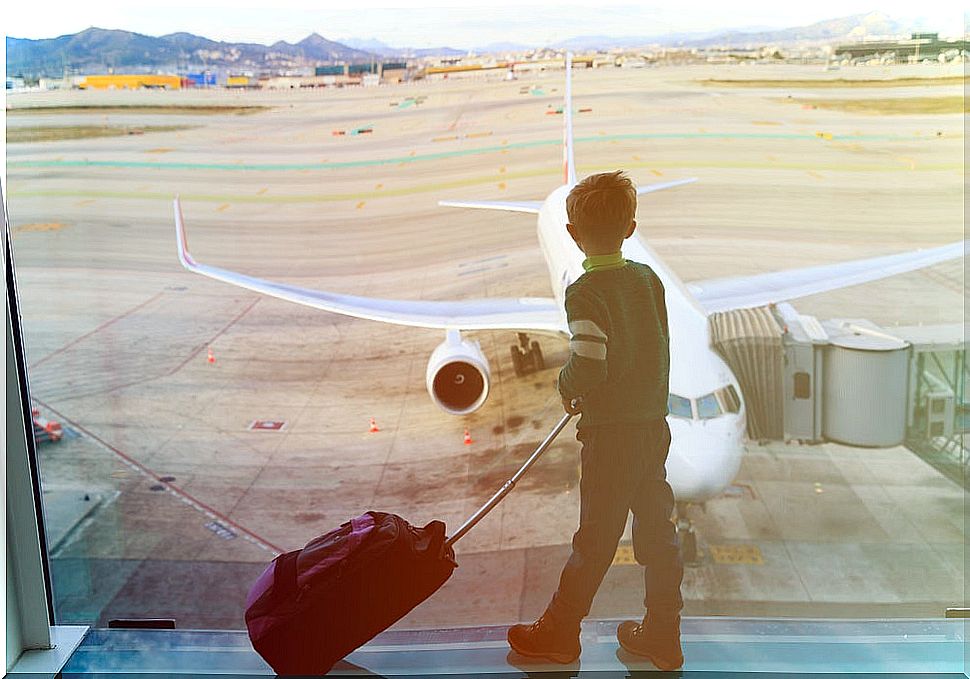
(619, 357)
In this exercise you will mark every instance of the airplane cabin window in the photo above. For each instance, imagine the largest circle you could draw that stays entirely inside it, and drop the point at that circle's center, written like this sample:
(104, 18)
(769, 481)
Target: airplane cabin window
(678, 406)
(707, 407)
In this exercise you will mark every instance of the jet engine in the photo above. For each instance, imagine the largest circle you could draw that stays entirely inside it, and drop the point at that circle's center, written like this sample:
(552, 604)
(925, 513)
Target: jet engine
(457, 375)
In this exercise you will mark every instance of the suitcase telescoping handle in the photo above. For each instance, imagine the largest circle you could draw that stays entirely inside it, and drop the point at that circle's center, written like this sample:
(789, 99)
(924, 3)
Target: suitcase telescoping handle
(510, 484)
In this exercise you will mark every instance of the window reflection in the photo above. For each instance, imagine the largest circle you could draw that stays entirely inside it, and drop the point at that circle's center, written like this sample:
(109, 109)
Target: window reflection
(707, 407)
(678, 406)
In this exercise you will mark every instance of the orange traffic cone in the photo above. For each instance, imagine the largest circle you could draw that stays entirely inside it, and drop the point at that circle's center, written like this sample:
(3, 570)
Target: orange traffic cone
(468, 438)
(373, 425)
(211, 358)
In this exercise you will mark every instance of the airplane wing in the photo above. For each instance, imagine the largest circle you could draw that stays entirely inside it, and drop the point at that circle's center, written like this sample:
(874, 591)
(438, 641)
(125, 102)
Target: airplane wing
(664, 185)
(724, 294)
(529, 206)
(523, 313)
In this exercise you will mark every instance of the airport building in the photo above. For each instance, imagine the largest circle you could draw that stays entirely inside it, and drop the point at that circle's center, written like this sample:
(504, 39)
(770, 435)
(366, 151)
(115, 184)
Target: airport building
(919, 47)
(141, 81)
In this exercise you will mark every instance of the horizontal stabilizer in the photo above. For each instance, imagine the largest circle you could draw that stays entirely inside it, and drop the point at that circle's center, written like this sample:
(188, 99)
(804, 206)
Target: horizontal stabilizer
(665, 185)
(530, 206)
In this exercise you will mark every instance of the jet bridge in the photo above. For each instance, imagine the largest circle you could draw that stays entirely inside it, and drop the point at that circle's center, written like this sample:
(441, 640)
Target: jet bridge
(850, 381)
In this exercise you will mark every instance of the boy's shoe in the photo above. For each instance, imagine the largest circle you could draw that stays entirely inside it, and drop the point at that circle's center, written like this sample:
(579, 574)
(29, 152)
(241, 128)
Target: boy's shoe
(546, 639)
(660, 644)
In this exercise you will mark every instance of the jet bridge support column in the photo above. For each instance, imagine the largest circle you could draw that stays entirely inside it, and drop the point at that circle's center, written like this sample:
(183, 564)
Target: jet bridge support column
(938, 414)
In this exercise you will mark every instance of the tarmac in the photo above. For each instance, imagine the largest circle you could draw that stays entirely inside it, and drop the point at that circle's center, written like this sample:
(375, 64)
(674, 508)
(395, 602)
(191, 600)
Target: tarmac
(188, 503)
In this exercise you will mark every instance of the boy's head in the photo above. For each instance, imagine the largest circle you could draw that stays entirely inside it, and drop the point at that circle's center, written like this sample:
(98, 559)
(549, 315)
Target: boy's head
(601, 210)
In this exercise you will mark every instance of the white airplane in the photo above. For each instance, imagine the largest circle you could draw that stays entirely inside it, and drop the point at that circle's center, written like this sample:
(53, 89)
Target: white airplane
(707, 410)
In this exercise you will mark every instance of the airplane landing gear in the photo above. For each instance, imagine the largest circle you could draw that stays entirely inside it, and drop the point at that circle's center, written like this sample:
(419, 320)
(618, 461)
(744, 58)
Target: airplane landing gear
(527, 359)
(687, 537)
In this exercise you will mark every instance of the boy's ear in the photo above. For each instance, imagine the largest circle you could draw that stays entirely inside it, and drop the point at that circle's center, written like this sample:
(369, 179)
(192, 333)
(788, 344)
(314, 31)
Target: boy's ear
(629, 231)
(572, 232)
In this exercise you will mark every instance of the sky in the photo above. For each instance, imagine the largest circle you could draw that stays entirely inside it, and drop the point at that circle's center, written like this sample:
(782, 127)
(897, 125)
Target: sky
(415, 24)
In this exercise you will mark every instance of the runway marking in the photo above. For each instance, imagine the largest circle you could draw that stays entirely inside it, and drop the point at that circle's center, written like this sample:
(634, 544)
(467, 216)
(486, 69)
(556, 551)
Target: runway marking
(284, 167)
(624, 556)
(553, 170)
(737, 554)
(223, 207)
(261, 191)
(96, 330)
(202, 346)
(39, 226)
(82, 203)
(185, 497)
(812, 173)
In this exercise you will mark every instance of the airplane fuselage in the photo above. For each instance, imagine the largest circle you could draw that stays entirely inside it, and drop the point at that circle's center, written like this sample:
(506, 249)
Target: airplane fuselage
(706, 419)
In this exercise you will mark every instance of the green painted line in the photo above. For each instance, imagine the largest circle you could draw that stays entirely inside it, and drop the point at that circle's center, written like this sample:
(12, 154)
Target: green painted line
(552, 171)
(284, 167)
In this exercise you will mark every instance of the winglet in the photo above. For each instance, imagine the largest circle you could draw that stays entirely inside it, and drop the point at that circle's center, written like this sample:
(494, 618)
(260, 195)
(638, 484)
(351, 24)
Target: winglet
(568, 162)
(183, 249)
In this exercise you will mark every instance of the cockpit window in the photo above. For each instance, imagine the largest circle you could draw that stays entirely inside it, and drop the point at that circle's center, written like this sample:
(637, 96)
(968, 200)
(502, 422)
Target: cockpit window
(679, 406)
(708, 407)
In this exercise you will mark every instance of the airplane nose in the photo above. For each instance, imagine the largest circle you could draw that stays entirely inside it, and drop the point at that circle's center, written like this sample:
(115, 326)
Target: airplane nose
(703, 459)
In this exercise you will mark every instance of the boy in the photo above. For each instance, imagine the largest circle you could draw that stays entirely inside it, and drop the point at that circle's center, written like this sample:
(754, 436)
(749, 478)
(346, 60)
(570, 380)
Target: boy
(618, 365)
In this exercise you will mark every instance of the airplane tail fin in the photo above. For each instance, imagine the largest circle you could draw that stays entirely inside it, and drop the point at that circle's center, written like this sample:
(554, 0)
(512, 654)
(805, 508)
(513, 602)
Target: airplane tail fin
(568, 161)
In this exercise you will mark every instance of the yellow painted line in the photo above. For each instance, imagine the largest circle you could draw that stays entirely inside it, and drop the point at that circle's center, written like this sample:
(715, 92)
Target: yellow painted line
(624, 556)
(765, 122)
(737, 554)
(360, 205)
(811, 173)
(657, 173)
(223, 207)
(261, 191)
(451, 138)
(82, 203)
(501, 186)
(476, 135)
(160, 150)
(39, 226)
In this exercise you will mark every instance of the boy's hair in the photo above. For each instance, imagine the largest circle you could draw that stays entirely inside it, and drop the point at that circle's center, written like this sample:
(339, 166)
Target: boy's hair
(603, 202)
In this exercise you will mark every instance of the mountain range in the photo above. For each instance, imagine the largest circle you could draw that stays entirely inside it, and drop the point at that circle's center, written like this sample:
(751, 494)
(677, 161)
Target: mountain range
(98, 49)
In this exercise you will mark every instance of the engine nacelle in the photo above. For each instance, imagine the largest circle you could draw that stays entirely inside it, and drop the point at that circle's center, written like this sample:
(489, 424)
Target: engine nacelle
(457, 375)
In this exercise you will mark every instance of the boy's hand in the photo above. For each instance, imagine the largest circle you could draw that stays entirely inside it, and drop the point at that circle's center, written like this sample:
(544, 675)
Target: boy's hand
(573, 406)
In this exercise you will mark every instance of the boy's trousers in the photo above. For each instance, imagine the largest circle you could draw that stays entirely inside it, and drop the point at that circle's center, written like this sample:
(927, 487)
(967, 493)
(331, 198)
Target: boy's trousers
(623, 470)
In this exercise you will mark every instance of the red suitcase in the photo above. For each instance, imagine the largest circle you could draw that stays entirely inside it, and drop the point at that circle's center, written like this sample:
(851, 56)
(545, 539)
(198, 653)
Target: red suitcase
(313, 606)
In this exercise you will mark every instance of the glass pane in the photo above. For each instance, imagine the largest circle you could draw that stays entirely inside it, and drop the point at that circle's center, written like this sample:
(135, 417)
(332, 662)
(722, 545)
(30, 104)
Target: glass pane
(679, 406)
(190, 429)
(707, 407)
